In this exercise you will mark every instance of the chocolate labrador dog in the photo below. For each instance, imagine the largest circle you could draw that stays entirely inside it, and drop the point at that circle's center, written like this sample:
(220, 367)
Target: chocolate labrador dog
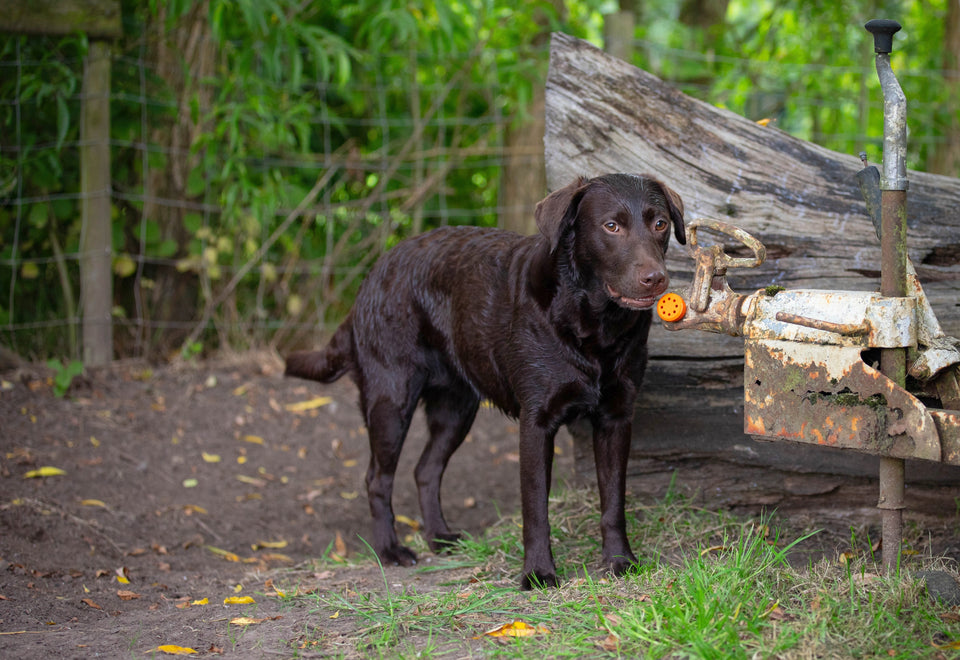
(549, 328)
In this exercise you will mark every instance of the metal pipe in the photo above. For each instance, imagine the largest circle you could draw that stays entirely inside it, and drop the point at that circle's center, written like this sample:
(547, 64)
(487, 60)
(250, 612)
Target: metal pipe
(893, 268)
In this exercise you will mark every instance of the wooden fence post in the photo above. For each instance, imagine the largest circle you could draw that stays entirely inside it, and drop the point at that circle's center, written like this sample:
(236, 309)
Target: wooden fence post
(96, 281)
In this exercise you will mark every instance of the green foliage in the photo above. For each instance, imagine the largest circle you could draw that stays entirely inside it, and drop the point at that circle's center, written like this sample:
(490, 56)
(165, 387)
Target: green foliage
(402, 106)
(64, 374)
(809, 65)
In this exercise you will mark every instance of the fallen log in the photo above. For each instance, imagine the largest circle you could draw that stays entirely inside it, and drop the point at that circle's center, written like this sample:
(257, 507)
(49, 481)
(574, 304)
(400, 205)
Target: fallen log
(801, 200)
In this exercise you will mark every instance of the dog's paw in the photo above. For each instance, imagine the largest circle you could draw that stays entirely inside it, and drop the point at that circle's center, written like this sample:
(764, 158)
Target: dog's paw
(441, 543)
(397, 555)
(538, 580)
(622, 564)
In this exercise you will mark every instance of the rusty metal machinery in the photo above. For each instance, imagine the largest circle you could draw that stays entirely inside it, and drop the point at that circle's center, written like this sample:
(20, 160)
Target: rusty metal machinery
(831, 367)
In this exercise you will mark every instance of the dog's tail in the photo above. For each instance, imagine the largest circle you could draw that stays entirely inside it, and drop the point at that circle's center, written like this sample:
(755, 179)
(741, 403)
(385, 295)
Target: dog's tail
(329, 364)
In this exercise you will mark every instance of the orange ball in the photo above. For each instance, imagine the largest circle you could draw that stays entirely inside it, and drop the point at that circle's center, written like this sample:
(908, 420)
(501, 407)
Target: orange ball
(671, 307)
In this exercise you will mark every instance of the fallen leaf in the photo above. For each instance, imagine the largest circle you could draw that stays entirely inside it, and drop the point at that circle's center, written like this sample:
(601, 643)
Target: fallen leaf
(99, 503)
(712, 548)
(276, 545)
(349, 495)
(238, 600)
(951, 646)
(409, 522)
(190, 483)
(45, 471)
(253, 481)
(201, 601)
(190, 509)
(173, 649)
(611, 643)
(517, 629)
(127, 595)
(254, 439)
(276, 556)
(226, 554)
(310, 404)
(247, 621)
(89, 602)
(210, 458)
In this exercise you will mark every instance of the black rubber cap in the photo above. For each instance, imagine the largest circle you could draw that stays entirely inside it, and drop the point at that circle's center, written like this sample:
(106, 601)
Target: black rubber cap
(883, 30)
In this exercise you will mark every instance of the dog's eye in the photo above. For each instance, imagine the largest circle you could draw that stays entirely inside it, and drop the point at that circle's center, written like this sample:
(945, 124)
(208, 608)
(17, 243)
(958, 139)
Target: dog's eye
(660, 224)
(611, 227)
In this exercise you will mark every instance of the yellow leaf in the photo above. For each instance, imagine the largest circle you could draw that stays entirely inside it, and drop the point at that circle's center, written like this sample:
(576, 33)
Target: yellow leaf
(713, 548)
(238, 600)
(173, 649)
(210, 458)
(335, 615)
(237, 588)
(202, 601)
(94, 441)
(190, 483)
(255, 439)
(310, 404)
(229, 556)
(100, 503)
(193, 508)
(516, 629)
(276, 545)
(247, 621)
(276, 556)
(45, 471)
(240, 391)
(409, 522)
(349, 495)
(122, 580)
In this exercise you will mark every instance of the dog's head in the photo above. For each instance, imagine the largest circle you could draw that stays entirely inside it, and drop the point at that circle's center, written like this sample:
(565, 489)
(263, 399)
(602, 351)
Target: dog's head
(616, 229)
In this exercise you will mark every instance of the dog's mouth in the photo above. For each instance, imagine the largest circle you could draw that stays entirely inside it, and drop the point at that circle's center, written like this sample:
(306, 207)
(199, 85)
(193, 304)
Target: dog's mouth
(645, 302)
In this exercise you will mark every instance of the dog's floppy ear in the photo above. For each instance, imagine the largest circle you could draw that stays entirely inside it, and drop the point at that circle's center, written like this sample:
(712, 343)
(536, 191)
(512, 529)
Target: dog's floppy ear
(675, 207)
(558, 210)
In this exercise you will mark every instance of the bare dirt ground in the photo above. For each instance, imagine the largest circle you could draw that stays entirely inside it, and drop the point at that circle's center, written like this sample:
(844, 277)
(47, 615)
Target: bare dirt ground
(205, 481)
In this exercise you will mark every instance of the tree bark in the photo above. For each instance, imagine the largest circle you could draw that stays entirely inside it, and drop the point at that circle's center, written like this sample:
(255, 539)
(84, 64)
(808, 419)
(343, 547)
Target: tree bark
(184, 57)
(946, 156)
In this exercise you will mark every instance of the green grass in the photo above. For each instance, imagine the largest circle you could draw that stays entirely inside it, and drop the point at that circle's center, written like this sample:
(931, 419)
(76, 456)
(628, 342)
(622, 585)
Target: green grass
(711, 585)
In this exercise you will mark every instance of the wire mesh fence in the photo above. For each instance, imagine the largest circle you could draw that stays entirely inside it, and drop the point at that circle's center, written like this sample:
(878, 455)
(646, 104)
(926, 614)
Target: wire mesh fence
(221, 241)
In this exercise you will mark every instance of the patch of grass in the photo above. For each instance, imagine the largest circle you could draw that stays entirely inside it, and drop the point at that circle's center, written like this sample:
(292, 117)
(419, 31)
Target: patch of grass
(712, 585)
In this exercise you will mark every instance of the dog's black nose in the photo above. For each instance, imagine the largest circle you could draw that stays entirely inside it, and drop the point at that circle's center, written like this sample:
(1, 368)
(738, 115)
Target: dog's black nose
(653, 278)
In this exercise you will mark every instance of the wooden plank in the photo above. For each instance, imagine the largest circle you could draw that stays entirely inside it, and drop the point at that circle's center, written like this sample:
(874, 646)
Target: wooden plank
(96, 278)
(97, 18)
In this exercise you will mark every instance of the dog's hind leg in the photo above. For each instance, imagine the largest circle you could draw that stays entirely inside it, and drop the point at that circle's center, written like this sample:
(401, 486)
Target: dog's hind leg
(450, 412)
(388, 414)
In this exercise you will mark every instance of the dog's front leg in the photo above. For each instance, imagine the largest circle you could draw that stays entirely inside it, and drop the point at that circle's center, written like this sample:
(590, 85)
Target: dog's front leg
(611, 449)
(536, 463)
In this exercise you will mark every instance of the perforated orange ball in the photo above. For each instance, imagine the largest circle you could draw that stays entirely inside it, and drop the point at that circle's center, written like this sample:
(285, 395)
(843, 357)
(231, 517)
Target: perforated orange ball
(671, 307)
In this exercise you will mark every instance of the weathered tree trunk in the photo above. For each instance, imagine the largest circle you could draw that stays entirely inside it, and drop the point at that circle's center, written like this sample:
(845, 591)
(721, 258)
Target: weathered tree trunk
(800, 200)
(184, 57)
(946, 156)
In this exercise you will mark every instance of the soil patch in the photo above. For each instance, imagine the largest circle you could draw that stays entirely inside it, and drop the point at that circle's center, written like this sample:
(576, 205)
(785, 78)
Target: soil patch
(192, 482)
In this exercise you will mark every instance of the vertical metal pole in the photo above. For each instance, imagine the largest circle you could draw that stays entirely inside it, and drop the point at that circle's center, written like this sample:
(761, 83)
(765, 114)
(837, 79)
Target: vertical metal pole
(893, 267)
(96, 280)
